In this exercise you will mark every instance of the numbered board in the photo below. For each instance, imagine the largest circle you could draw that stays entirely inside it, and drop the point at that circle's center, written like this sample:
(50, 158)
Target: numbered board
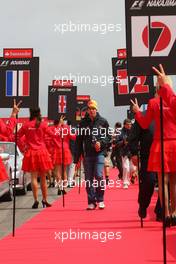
(130, 87)
(62, 101)
(150, 35)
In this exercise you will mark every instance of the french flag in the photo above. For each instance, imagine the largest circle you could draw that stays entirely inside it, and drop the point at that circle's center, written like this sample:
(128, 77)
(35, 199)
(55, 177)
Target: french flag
(11, 83)
(62, 103)
(23, 83)
(23, 87)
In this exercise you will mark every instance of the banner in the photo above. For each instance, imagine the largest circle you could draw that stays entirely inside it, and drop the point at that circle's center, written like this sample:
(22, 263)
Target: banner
(81, 108)
(62, 83)
(121, 53)
(19, 79)
(17, 53)
(150, 35)
(130, 87)
(62, 101)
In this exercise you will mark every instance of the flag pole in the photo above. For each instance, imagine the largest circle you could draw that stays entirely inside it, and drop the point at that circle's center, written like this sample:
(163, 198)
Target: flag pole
(140, 181)
(79, 190)
(14, 185)
(62, 190)
(163, 189)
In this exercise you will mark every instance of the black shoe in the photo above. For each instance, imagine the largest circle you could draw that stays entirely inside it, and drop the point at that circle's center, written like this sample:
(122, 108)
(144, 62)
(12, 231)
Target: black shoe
(50, 185)
(71, 185)
(64, 192)
(132, 180)
(142, 212)
(173, 220)
(159, 218)
(107, 180)
(59, 192)
(167, 221)
(46, 204)
(120, 176)
(53, 184)
(35, 205)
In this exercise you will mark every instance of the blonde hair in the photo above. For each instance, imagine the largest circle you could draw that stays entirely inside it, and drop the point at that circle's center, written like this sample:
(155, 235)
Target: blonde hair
(169, 81)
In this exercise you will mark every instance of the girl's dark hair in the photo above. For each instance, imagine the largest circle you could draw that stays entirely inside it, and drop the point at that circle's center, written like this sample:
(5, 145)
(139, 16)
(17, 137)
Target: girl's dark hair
(118, 125)
(35, 114)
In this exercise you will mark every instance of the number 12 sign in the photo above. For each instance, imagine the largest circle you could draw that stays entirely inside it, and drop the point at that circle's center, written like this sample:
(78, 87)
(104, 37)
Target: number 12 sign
(129, 87)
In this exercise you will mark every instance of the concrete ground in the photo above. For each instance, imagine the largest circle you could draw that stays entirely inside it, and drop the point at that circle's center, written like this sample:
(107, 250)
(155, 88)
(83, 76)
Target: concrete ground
(23, 210)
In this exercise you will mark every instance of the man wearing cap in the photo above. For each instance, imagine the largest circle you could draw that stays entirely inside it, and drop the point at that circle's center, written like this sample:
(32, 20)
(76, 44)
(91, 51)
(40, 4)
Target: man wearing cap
(91, 142)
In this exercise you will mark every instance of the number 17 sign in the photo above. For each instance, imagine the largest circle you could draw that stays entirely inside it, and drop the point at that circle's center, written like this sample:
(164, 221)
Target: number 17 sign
(150, 35)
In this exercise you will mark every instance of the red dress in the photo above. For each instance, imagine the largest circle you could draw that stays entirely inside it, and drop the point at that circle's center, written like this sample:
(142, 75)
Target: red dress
(169, 126)
(6, 131)
(3, 173)
(36, 157)
(22, 144)
(66, 158)
(49, 141)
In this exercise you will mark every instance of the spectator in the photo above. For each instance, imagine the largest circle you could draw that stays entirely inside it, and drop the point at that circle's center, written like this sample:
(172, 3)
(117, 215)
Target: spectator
(140, 141)
(127, 165)
(91, 142)
(116, 156)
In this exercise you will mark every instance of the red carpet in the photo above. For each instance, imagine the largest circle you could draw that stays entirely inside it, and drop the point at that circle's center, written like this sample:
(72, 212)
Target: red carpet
(37, 241)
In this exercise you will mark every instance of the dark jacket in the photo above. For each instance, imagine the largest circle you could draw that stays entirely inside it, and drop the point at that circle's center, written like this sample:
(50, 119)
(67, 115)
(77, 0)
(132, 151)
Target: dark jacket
(140, 140)
(115, 141)
(88, 133)
(123, 137)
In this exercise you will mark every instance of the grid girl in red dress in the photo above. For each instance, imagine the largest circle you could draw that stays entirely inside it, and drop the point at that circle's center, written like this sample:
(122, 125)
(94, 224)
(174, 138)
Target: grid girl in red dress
(169, 127)
(6, 131)
(36, 158)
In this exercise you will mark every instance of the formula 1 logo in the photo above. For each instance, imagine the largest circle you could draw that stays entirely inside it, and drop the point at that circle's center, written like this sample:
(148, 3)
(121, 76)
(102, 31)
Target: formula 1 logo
(119, 62)
(137, 5)
(153, 36)
(131, 84)
(4, 63)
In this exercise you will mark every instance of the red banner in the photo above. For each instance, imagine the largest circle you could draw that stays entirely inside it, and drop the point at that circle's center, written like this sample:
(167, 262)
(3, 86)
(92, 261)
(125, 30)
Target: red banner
(83, 97)
(121, 54)
(17, 53)
(62, 83)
